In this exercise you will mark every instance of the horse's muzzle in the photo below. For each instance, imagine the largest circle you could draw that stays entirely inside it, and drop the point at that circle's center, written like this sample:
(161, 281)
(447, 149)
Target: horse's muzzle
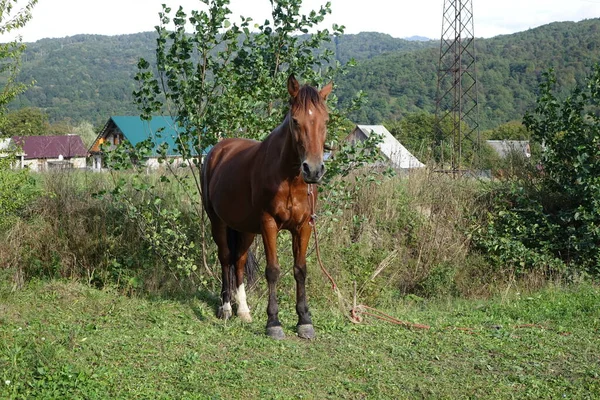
(312, 173)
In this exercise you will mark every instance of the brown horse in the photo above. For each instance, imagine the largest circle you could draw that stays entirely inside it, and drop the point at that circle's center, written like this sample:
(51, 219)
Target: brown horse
(252, 187)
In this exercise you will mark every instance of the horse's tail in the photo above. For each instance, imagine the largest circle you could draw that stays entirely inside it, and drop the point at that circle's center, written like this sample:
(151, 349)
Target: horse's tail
(251, 267)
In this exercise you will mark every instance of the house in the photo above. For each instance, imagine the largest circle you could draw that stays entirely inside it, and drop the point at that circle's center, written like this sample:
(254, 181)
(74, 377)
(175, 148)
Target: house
(390, 147)
(41, 153)
(504, 147)
(161, 129)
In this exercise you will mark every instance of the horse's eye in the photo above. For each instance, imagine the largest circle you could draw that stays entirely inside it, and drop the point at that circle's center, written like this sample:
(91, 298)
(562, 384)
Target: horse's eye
(295, 121)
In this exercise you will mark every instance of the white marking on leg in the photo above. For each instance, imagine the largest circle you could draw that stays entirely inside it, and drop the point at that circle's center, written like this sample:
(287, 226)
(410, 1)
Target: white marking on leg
(227, 307)
(225, 311)
(240, 298)
(242, 310)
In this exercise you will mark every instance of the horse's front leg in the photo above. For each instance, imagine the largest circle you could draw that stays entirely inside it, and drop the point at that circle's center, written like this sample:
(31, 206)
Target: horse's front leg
(272, 272)
(300, 238)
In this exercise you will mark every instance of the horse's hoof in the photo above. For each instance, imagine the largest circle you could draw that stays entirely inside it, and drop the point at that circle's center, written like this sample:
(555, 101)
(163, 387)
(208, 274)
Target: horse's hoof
(224, 313)
(245, 316)
(275, 332)
(306, 331)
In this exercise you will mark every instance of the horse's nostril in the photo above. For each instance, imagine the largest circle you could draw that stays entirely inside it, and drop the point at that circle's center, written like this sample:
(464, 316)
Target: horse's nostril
(305, 168)
(322, 168)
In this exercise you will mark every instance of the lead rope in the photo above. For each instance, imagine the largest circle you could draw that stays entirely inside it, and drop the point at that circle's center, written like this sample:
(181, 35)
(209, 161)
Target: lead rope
(355, 310)
(313, 224)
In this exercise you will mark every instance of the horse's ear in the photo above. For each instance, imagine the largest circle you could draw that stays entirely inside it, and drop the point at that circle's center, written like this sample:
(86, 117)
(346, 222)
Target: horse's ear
(293, 86)
(326, 90)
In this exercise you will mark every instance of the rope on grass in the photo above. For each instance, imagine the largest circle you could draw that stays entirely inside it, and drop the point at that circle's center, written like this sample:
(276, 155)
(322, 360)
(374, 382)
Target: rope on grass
(356, 311)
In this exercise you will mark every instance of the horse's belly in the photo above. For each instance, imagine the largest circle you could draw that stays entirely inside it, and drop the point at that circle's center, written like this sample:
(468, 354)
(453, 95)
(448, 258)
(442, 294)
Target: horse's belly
(235, 209)
(229, 190)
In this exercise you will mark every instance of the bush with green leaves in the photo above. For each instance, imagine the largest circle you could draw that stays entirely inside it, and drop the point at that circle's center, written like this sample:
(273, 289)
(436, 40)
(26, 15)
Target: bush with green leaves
(551, 219)
(17, 190)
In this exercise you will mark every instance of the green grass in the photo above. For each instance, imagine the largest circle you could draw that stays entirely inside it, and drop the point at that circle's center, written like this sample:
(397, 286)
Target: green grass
(66, 340)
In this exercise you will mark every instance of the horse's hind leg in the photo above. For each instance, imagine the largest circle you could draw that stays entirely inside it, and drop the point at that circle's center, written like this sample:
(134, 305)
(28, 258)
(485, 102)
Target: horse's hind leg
(244, 241)
(219, 232)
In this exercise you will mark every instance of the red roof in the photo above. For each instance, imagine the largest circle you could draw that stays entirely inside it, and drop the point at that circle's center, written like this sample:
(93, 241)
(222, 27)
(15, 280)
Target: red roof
(51, 146)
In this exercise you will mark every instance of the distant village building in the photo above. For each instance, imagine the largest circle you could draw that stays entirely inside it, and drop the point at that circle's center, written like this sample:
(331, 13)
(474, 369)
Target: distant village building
(41, 153)
(163, 130)
(504, 147)
(394, 152)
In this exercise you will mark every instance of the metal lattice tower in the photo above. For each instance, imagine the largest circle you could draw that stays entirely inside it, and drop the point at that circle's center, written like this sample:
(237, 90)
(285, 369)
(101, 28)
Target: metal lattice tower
(457, 84)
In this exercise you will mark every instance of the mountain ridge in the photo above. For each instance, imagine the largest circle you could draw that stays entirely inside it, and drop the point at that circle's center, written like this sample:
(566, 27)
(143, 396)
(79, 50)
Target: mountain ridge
(90, 77)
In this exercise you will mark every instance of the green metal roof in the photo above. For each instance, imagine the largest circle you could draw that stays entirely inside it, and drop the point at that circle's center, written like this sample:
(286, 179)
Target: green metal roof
(161, 129)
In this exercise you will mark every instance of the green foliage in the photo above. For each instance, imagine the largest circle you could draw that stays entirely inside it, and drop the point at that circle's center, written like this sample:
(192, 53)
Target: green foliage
(28, 121)
(519, 236)
(416, 131)
(31, 121)
(17, 190)
(570, 133)
(10, 53)
(419, 132)
(87, 132)
(355, 159)
(164, 229)
(512, 130)
(221, 80)
(554, 218)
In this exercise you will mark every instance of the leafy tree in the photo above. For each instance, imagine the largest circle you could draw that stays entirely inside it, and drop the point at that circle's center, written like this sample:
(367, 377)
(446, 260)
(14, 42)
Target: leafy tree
(416, 131)
(31, 121)
(512, 130)
(551, 219)
(10, 53)
(16, 187)
(87, 132)
(223, 80)
(27, 121)
(570, 134)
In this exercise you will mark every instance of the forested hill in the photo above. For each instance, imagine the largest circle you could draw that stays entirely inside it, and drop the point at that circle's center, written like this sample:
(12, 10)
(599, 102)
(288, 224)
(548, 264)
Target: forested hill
(90, 77)
(84, 77)
(509, 69)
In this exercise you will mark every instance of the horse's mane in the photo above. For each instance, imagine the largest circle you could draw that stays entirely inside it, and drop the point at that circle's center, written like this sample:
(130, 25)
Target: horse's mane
(308, 97)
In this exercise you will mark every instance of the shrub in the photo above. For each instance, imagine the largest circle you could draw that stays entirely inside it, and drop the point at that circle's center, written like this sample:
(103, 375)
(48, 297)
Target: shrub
(550, 220)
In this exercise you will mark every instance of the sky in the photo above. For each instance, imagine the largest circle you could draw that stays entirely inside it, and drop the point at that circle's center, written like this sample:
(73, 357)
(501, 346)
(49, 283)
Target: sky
(398, 18)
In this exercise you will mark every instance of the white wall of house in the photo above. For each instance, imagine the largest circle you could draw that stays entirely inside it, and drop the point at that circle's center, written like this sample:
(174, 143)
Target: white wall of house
(41, 164)
(152, 162)
(97, 162)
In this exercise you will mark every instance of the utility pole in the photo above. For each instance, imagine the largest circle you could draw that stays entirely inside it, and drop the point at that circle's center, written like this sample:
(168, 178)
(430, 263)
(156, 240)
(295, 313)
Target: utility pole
(457, 111)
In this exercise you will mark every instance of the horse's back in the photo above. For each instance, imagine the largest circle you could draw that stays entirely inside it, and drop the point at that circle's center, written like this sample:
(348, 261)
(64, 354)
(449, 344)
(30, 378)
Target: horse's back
(226, 175)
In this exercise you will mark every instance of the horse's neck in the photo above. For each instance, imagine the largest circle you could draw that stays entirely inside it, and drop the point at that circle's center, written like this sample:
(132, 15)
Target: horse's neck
(280, 151)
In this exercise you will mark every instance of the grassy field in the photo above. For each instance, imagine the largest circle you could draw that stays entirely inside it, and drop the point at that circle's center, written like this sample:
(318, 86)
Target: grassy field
(61, 339)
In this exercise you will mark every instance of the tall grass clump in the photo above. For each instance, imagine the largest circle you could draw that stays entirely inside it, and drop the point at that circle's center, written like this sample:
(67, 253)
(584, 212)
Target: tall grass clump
(73, 232)
(409, 234)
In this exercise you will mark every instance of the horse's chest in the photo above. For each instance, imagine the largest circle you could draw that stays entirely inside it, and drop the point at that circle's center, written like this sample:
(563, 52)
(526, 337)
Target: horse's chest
(290, 208)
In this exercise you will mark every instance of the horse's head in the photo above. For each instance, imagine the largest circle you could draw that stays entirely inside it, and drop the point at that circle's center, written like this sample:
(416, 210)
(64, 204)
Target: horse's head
(308, 125)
